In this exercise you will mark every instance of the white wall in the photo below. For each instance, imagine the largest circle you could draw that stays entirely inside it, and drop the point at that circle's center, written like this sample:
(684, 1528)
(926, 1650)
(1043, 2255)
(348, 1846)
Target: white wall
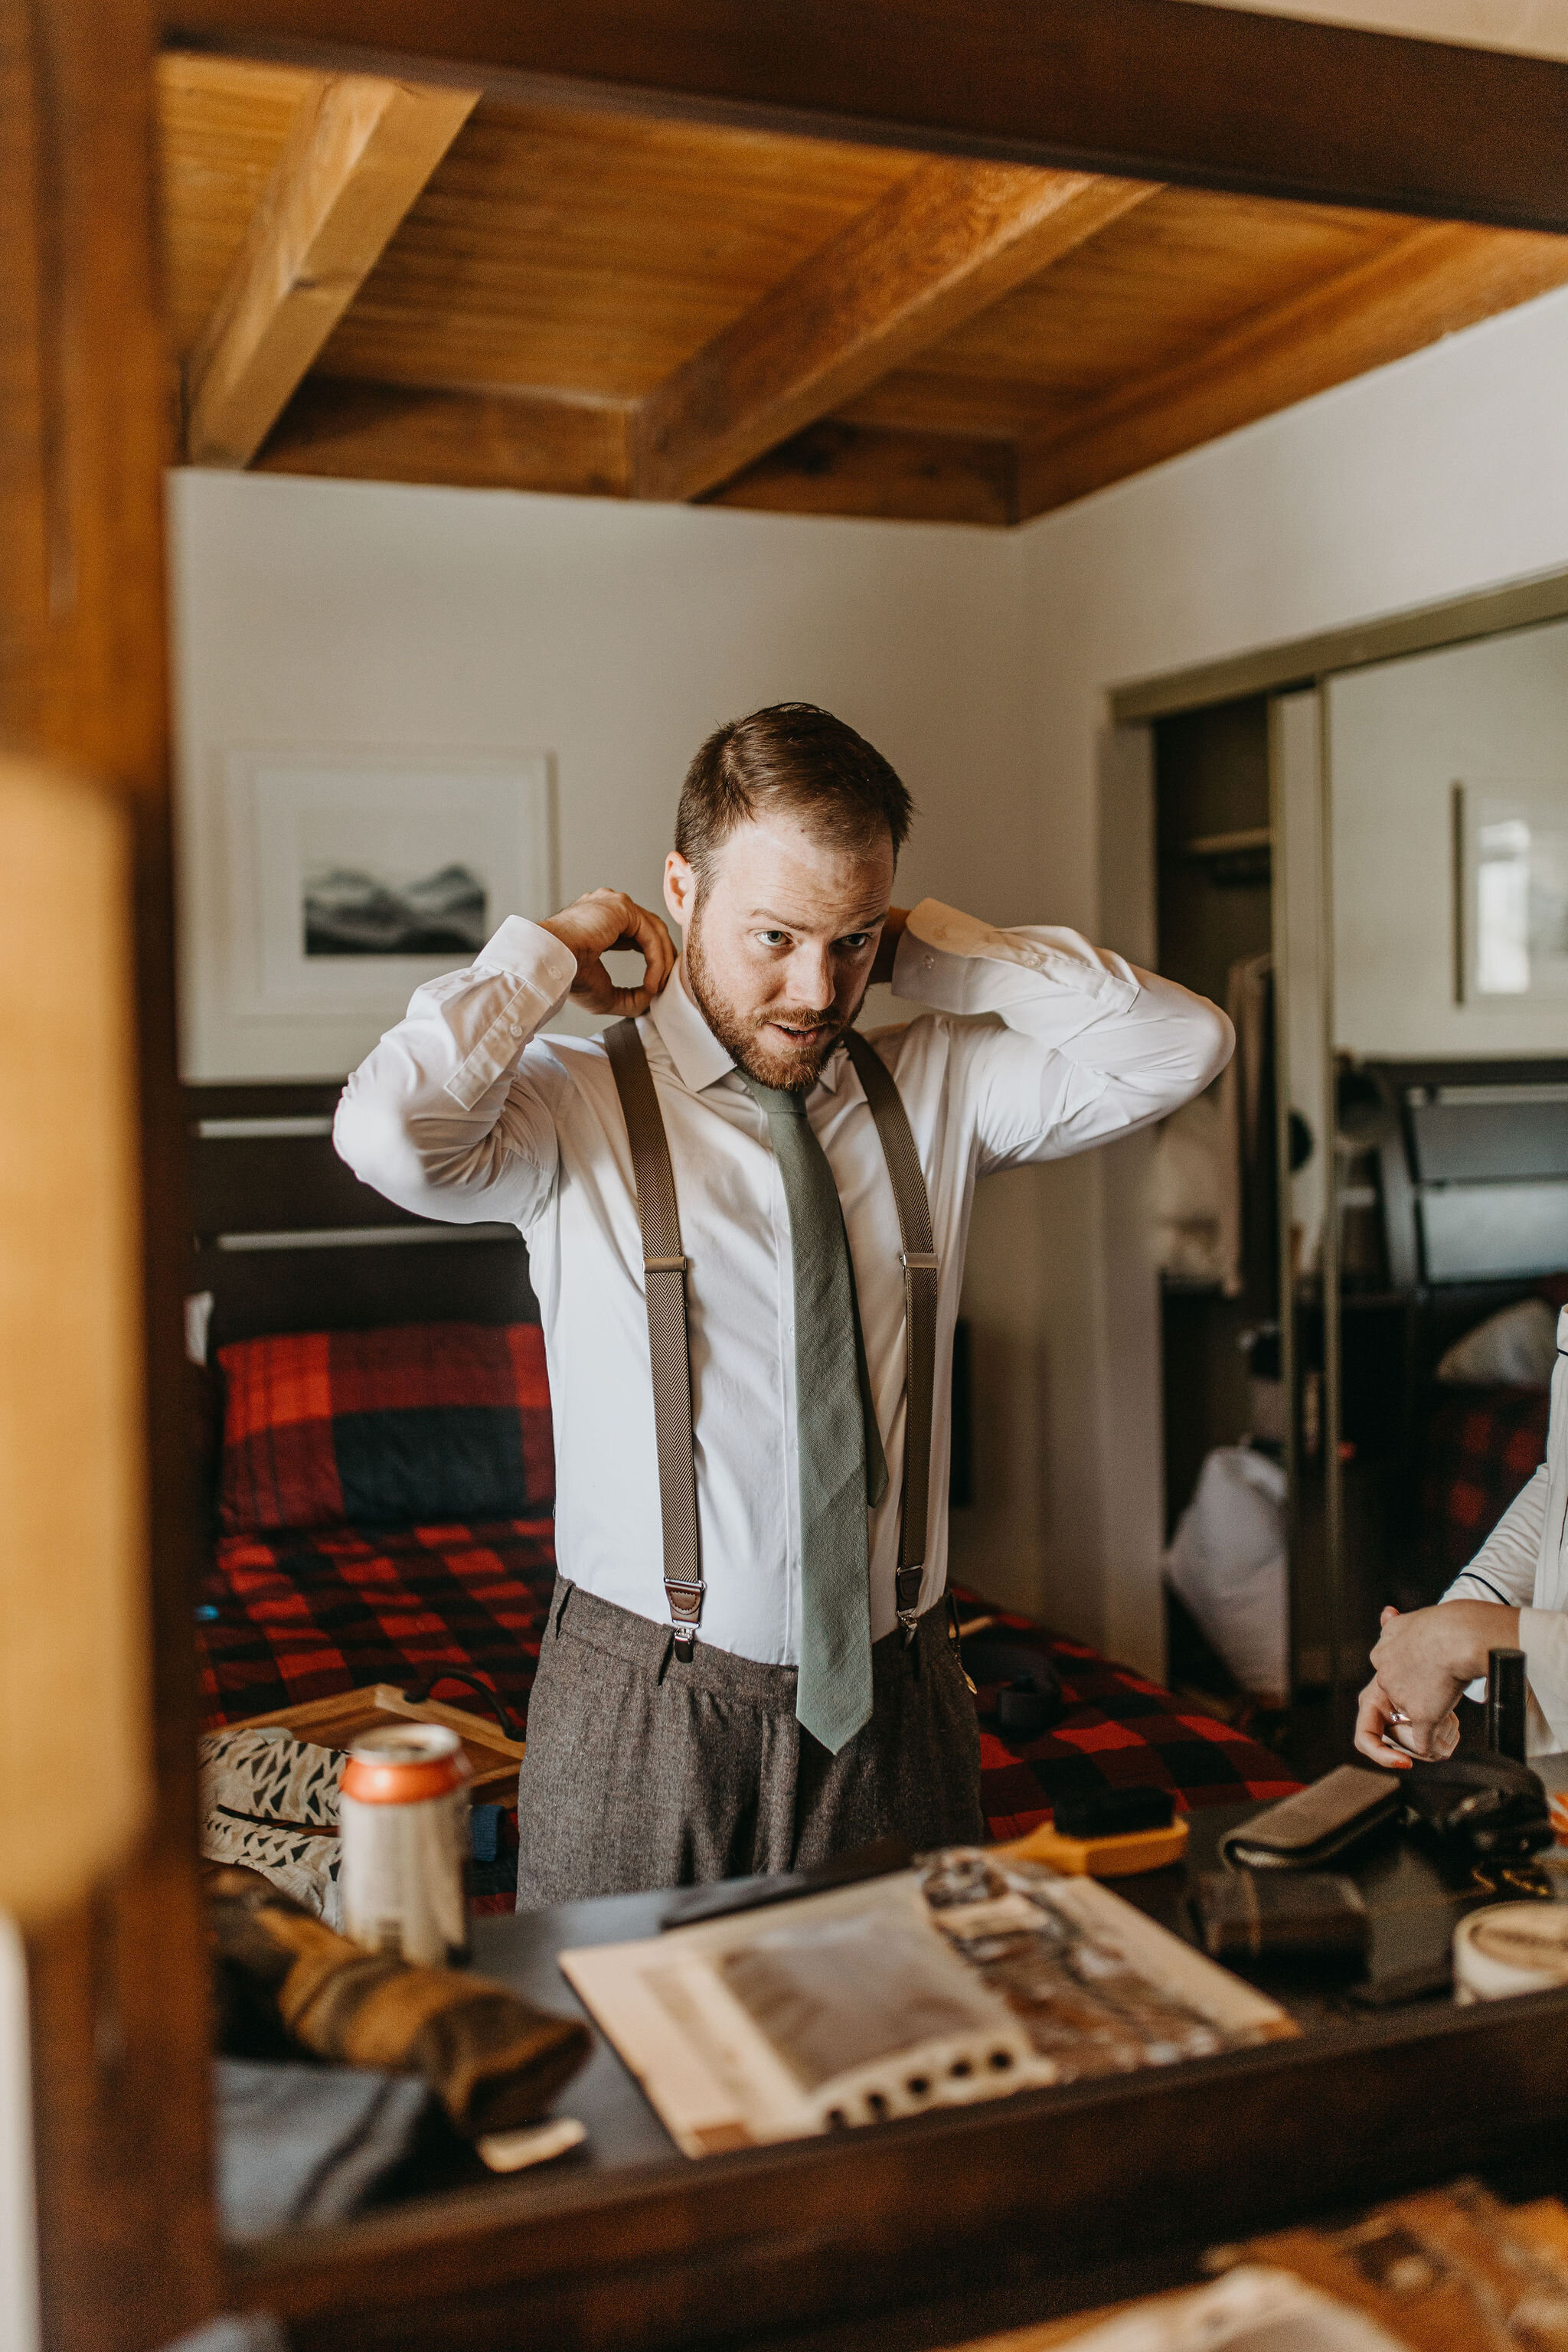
(345, 614)
(1491, 716)
(616, 636)
(1445, 473)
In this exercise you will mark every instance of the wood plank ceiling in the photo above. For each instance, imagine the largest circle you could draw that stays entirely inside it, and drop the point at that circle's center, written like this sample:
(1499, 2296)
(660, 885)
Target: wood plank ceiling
(378, 281)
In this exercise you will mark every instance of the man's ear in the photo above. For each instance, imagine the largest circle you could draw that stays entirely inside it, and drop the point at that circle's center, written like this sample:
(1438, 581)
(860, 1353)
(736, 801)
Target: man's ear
(680, 888)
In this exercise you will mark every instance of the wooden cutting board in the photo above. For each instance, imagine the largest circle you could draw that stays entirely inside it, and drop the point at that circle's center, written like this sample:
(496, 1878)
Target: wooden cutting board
(493, 1758)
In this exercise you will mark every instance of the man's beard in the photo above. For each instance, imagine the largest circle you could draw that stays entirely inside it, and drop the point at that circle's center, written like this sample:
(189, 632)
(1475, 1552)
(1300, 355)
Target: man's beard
(743, 1036)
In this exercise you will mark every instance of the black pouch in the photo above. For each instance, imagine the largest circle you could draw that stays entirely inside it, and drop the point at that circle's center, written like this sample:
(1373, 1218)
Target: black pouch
(1480, 1805)
(1026, 1692)
(1244, 1914)
(1316, 1824)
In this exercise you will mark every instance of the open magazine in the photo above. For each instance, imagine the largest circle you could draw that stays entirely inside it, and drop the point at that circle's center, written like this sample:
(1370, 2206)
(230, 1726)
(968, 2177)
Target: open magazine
(969, 1977)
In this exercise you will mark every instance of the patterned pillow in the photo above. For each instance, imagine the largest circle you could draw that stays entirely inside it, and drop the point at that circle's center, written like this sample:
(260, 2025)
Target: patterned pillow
(409, 1426)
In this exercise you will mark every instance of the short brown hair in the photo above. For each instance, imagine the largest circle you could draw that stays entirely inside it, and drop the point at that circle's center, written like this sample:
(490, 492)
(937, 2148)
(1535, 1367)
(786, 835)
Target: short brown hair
(790, 756)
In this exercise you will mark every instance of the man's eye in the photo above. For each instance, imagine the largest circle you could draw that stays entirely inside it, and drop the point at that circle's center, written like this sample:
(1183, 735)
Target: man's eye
(772, 939)
(855, 941)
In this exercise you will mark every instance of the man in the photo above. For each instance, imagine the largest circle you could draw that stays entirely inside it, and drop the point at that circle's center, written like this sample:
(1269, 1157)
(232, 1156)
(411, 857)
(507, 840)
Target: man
(804, 1715)
(1512, 1596)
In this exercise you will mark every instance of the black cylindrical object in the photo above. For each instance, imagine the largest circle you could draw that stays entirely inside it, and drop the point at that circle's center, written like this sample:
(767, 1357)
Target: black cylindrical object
(1505, 1703)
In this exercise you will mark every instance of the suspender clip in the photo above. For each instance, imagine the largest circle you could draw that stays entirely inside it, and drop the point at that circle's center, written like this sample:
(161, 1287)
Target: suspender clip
(685, 1609)
(918, 1261)
(907, 1587)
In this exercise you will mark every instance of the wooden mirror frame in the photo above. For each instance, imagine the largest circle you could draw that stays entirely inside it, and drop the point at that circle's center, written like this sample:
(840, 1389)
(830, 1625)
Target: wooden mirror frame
(1165, 89)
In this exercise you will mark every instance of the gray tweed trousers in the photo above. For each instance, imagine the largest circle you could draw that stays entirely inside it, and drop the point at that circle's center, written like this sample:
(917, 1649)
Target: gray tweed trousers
(643, 1772)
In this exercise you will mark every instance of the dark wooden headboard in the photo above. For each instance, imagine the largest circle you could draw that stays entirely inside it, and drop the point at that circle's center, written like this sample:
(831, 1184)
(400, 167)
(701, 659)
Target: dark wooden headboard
(287, 1239)
(1473, 1170)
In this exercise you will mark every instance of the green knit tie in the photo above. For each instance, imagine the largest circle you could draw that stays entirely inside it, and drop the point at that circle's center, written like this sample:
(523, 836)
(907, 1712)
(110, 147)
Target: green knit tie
(842, 1465)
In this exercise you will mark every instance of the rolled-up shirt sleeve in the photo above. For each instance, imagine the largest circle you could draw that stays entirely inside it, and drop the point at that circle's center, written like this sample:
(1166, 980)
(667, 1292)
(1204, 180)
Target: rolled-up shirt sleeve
(1089, 1046)
(444, 1116)
(1504, 1570)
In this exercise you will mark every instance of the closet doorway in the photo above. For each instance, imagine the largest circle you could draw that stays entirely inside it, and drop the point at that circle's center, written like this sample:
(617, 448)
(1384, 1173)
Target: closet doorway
(1361, 1231)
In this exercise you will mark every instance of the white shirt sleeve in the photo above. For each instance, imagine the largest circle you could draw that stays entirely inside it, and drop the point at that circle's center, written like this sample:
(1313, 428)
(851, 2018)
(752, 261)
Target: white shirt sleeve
(445, 1117)
(1504, 1570)
(1088, 1047)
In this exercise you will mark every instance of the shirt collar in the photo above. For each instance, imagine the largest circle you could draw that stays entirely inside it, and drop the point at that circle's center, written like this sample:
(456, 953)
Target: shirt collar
(699, 1060)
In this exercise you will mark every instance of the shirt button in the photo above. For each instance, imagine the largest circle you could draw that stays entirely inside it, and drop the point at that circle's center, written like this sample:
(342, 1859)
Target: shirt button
(514, 1030)
(929, 962)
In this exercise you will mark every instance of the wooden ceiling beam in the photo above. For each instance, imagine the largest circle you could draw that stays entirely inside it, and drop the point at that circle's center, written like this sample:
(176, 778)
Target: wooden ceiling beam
(1430, 283)
(359, 151)
(940, 246)
(838, 468)
(1149, 90)
(468, 440)
(354, 431)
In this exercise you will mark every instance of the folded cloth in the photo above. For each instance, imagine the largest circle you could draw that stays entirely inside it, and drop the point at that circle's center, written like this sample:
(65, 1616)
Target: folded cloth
(269, 1803)
(305, 2144)
(492, 2059)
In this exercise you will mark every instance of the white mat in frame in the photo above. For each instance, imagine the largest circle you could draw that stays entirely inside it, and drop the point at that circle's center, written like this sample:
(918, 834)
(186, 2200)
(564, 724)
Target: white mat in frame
(324, 883)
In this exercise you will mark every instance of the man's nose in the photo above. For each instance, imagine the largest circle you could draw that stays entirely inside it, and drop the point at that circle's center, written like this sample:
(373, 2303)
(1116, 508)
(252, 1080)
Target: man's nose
(811, 977)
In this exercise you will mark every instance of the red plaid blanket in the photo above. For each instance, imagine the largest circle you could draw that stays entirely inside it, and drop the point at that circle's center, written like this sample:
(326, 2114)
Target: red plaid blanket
(292, 1617)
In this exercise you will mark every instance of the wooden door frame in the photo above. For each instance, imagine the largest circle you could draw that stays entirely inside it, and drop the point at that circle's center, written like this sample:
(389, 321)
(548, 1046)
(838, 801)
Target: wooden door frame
(1152, 90)
(117, 1985)
(1159, 88)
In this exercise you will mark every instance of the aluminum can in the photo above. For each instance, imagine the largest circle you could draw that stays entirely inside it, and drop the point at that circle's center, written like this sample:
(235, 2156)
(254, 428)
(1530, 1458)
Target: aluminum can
(403, 1804)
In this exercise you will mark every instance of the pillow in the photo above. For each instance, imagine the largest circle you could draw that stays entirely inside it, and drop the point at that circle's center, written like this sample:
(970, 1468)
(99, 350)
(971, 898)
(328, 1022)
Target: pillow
(1514, 1348)
(416, 1424)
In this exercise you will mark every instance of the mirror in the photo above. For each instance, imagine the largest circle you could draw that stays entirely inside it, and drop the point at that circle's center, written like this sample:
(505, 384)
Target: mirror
(1396, 844)
(1447, 799)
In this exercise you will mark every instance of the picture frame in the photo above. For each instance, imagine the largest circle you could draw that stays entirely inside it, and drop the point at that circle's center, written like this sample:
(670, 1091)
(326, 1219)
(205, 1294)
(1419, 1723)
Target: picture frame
(1510, 934)
(335, 881)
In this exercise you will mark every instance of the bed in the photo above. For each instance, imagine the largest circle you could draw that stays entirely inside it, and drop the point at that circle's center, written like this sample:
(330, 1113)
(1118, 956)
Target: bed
(382, 1484)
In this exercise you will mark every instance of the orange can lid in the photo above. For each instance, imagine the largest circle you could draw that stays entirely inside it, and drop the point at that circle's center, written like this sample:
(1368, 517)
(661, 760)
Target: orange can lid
(403, 1764)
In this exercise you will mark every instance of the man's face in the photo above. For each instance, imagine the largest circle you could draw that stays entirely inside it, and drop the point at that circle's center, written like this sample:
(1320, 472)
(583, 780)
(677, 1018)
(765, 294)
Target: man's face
(780, 942)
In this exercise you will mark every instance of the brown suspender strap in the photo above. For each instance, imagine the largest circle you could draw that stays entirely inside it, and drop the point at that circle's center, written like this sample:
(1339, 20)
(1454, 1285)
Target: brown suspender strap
(920, 1312)
(664, 1281)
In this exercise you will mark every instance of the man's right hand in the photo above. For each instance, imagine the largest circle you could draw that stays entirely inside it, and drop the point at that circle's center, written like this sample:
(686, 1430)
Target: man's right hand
(595, 924)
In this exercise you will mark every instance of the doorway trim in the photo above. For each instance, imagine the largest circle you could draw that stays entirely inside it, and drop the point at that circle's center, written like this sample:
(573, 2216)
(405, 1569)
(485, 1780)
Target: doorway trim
(1307, 661)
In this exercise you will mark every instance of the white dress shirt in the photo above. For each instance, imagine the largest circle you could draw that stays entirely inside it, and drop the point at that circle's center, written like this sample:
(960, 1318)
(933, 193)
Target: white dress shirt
(1524, 1564)
(463, 1112)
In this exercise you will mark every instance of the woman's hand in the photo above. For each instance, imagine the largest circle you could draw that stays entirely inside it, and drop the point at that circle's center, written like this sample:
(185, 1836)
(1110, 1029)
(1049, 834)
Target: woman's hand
(597, 924)
(1375, 1715)
(1422, 1662)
